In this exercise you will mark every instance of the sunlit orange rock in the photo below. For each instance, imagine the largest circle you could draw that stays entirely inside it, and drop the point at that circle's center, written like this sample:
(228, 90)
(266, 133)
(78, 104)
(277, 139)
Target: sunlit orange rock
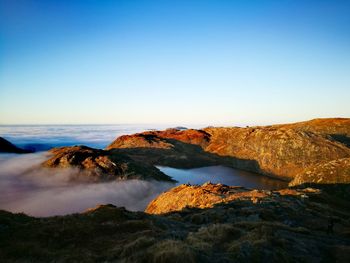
(208, 195)
(282, 151)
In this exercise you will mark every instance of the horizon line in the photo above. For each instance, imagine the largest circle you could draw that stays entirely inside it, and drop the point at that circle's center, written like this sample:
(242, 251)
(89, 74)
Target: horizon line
(164, 124)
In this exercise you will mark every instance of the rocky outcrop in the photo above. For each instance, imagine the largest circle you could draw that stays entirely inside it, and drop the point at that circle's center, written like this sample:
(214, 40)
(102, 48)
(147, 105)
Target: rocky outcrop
(336, 128)
(324, 126)
(195, 196)
(208, 195)
(161, 139)
(174, 148)
(293, 225)
(282, 151)
(8, 147)
(101, 165)
(332, 172)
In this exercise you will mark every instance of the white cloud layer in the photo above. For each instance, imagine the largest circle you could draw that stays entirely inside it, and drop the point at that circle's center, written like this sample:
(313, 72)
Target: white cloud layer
(27, 187)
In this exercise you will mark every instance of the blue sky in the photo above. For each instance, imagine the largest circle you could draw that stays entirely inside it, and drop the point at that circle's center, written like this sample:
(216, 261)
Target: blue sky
(219, 62)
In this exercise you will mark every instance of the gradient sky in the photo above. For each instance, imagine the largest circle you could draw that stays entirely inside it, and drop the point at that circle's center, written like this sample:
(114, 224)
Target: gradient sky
(184, 62)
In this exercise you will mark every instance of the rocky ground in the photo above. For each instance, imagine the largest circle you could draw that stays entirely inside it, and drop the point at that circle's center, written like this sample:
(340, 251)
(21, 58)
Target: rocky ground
(338, 128)
(100, 165)
(212, 223)
(171, 147)
(282, 151)
(332, 172)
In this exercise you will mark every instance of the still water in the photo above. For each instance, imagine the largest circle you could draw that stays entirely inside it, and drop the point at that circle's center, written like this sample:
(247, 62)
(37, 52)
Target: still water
(223, 175)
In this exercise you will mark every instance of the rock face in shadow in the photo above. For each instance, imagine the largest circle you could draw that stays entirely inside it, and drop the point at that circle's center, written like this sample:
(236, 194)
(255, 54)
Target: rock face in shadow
(292, 225)
(282, 151)
(100, 165)
(8, 147)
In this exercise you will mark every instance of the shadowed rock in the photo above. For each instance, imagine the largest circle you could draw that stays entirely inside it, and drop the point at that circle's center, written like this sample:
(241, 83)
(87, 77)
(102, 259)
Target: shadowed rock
(289, 225)
(8, 147)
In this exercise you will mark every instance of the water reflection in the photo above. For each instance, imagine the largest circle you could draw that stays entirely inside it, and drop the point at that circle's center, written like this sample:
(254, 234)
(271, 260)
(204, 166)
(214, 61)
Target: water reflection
(224, 175)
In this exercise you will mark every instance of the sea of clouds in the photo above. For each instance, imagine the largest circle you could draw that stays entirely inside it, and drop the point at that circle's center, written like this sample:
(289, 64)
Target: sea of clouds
(44, 137)
(27, 187)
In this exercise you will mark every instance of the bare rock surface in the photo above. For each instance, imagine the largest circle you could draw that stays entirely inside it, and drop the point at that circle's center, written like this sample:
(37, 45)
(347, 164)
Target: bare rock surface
(332, 172)
(324, 126)
(208, 195)
(161, 139)
(100, 165)
(280, 152)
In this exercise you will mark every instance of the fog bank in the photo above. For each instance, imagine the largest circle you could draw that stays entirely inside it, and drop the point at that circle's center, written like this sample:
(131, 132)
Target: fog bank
(27, 187)
(44, 137)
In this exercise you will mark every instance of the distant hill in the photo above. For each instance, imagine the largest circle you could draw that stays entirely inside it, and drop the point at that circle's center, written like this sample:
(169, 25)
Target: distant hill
(8, 147)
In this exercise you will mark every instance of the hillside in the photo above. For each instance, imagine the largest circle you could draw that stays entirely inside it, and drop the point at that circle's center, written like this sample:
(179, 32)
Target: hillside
(99, 165)
(281, 151)
(300, 225)
(8, 147)
(332, 172)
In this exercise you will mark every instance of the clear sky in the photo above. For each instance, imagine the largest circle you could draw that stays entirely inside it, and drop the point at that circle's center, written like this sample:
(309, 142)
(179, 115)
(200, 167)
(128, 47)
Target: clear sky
(186, 62)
